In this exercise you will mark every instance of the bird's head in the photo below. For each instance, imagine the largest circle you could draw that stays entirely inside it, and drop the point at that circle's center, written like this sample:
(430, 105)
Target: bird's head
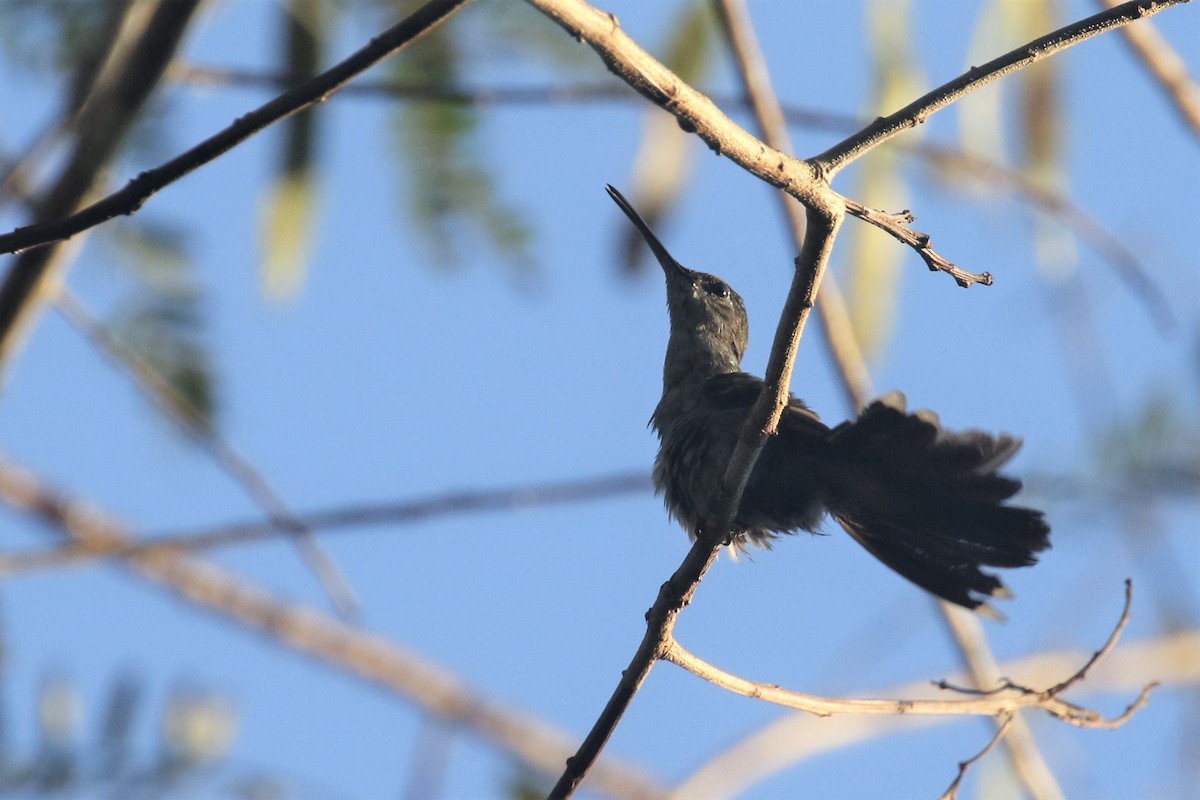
(709, 329)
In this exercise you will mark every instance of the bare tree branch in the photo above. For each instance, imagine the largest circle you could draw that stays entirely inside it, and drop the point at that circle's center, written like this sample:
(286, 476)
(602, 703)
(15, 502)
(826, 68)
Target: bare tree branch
(952, 792)
(807, 182)
(915, 113)
(135, 193)
(794, 738)
(343, 517)
(1007, 698)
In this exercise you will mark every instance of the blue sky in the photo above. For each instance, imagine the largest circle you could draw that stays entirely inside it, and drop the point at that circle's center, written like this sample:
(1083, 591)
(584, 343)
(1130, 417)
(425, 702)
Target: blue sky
(390, 378)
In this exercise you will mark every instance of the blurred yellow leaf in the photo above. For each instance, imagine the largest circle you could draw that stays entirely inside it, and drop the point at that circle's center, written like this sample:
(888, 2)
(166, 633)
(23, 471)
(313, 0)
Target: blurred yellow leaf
(980, 114)
(285, 219)
(874, 259)
(286, 235)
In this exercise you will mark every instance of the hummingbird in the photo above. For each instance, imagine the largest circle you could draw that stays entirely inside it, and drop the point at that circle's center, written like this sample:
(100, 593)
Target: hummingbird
(927, 502)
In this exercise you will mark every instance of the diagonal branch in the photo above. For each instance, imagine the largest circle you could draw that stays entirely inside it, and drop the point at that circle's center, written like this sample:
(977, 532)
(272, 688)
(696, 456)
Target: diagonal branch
(915, 113)
(1007, 698)
(135, 193)
(951, 793)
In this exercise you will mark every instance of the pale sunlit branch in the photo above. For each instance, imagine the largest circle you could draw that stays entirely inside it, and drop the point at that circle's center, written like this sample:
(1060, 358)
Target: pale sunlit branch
(356, 652)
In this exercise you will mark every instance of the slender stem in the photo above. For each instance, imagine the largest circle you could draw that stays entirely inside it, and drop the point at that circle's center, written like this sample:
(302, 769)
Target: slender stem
(1028, 762)
(916, 112)
(952, 792)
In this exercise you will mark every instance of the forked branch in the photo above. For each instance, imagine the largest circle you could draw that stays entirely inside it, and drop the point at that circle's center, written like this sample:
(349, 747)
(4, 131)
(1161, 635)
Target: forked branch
(1000, 701)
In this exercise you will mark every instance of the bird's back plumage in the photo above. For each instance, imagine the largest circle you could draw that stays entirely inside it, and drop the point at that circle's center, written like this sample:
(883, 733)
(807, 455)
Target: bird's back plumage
(928, 503)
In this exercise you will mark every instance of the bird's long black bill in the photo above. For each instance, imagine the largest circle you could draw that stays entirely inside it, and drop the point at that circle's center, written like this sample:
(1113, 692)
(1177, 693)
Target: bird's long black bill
(664, 258)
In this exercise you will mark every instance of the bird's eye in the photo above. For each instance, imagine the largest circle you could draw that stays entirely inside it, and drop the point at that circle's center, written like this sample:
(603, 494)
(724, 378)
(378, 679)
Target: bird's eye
(716, 288)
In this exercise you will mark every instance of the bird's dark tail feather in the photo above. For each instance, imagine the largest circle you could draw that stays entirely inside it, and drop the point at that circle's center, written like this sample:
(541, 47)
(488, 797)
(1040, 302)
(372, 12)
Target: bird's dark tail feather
(929, 504)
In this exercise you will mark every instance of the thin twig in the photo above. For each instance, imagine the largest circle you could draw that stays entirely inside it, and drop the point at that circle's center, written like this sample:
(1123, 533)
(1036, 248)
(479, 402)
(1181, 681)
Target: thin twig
(1008, 698)
(363, 655)
(342, 517)
(917, 112)
(166, 398)
(1108, 645)
(790, 739)
(1028, 762)
(896, 224)
(135, 193)
(1165, 65)
(951, 793)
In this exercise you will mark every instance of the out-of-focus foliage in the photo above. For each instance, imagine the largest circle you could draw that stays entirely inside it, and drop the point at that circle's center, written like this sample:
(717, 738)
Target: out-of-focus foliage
(161, 321)
(290, 202)
(1032, 98)
(125, 754)
(1156, 451)
(164, 331)
(873, 259)
(452, 197)
(527, 786)
(55, 35)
